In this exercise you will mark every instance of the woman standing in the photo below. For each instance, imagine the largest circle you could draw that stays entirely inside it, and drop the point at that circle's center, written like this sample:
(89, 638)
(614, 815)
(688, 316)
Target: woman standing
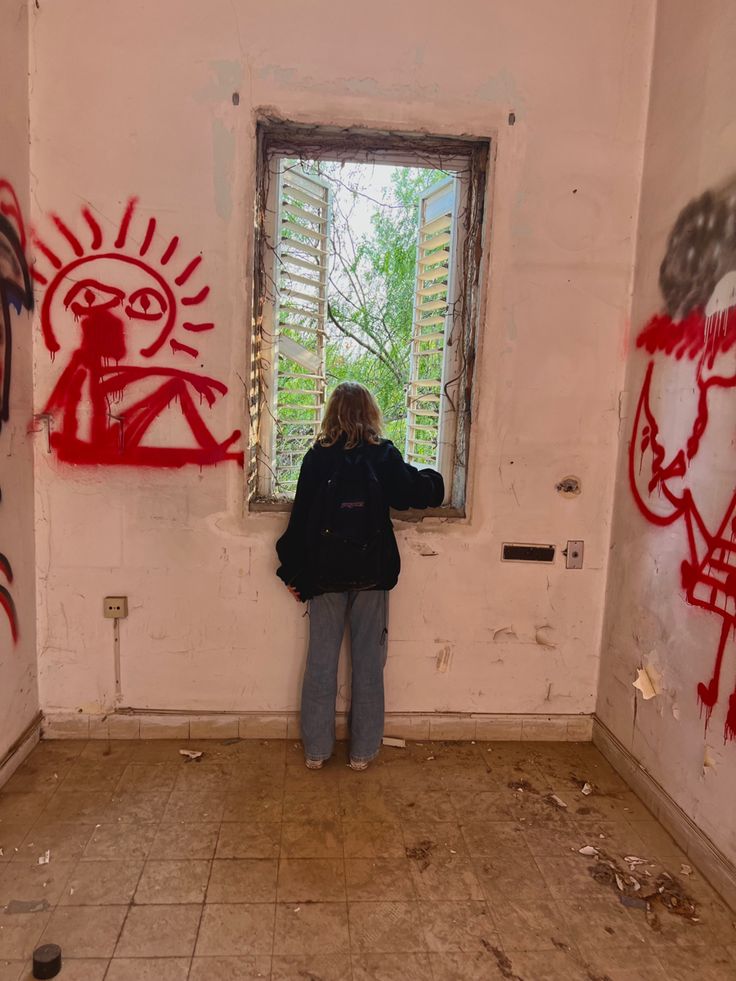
(339, 553)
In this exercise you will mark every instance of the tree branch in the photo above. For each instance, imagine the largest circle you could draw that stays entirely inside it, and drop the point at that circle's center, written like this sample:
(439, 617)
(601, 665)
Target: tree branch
(359, 340)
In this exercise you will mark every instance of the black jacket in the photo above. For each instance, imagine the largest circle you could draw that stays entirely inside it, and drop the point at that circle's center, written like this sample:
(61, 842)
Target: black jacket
(403, 487)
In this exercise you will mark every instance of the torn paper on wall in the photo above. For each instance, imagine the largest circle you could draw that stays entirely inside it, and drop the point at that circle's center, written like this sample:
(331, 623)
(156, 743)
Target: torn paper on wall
(647, 682)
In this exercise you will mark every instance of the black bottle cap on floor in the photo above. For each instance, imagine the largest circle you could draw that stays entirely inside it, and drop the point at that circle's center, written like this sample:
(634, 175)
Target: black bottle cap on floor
(46, 961)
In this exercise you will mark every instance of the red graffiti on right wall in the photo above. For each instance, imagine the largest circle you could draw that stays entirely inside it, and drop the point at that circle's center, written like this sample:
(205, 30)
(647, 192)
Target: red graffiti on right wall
(698, 329)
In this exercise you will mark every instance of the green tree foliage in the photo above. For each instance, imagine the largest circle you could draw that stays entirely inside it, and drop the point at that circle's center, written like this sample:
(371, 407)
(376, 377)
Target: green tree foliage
(372, 291)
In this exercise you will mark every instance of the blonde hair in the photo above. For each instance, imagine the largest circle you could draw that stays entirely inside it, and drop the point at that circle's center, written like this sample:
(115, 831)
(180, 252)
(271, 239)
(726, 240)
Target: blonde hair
(352, 412)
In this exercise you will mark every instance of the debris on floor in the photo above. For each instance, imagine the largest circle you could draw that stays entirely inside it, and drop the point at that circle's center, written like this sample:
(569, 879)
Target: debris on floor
(642, 890)
(394, 741)
(503, 962)
(27, 906)
(586, 789)
(634, 902)
(555, 801)
(632, 861)
(522, 785)
(45, 858)
(191, 754)
(686, 869)
(589, 851)
(421, 853)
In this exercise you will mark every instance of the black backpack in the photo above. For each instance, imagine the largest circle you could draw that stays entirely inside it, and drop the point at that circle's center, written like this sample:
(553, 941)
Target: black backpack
(351, 535)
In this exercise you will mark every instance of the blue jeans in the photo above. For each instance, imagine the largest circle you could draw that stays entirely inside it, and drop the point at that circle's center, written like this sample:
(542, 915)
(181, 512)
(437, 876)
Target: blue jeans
(367, 613)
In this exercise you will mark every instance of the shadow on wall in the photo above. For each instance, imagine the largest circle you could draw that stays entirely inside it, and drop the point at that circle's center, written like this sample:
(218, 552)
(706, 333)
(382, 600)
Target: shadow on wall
(674, 468)
(15, 294)
(111, 310)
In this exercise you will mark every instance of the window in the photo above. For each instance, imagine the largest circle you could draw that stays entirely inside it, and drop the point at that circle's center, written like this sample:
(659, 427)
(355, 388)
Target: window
(368, 267)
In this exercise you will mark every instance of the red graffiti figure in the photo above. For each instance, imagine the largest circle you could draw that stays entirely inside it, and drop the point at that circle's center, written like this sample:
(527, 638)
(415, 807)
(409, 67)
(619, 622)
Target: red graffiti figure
(698, 281)
(116, 308)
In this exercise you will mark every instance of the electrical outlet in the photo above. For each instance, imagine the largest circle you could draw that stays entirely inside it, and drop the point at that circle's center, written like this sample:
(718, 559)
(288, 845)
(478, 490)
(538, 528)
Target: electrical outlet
(115, 607)
(574, 555)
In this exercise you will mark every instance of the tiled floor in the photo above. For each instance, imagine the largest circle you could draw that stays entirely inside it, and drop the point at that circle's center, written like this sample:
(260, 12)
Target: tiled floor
(442, 862)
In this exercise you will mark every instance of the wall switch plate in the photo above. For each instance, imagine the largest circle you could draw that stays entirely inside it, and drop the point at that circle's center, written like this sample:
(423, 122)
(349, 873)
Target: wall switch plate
(115, 607)
(574, 555)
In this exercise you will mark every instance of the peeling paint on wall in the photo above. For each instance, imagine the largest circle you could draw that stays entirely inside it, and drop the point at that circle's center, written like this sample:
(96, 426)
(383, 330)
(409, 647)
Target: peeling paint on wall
(444, 659)
(646, 684)
(543, 635)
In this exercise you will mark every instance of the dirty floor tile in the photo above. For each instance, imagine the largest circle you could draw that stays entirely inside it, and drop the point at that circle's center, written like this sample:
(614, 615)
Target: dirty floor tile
(530, 925)
(312, 839)
(248, 840)
(391, 967)
(303, 880)
(86, 931)
(20, 933)
(371, 839)
(311, 928)
(185, 841)
(171, 881)
(65, 840)
(230, 930)
(628, 964)
(243, 880)
(462, 926)
(326, 967)
(379, 879)
(24, 883)
(101, 883)
(241, 968)
(159, 931)
(488, 965)
(77, 969)
(120, 841)
(385, 928)
(148, 969)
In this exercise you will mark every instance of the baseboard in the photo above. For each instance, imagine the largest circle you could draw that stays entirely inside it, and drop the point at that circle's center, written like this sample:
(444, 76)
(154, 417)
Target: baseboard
(20, 749)
(130, 723)
(717, 869)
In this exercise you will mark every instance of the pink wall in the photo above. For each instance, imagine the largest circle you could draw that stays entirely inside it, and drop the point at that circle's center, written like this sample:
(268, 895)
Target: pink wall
(660, 616)
(18, 689)
(135, 99)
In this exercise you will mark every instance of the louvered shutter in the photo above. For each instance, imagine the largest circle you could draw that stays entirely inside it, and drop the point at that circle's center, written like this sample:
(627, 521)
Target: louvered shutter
(435, 256)
(301, 316)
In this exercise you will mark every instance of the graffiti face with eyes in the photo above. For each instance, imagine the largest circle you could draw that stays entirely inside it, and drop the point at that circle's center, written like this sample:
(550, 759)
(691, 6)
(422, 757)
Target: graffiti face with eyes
(121, 305)
(111, 312)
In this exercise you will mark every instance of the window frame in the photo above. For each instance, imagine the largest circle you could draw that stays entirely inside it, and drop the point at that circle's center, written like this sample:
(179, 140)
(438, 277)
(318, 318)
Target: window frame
(471, 157)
